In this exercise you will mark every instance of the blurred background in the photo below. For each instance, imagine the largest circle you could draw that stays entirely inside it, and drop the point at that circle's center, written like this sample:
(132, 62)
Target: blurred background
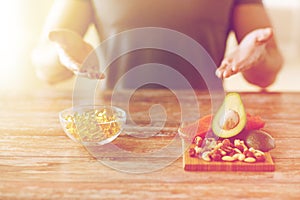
(22, 20)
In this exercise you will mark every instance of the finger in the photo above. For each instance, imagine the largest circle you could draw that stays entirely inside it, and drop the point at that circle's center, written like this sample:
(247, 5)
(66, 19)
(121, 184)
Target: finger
(263, 35)
(219, 73)
(224, 65)
(228, 73)
(98, 76)
(92, 72)
(101, 76)
(225, 74)
(90, 75)
(230, 70)
(89, 69)
(94, 76)
(235, 68)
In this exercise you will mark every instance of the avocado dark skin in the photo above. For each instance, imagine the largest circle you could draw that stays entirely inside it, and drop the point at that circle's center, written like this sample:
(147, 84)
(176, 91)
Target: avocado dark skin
(258, 139)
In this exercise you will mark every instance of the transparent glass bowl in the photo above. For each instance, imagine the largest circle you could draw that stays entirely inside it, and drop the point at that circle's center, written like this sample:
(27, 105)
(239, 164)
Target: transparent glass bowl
(93, 125)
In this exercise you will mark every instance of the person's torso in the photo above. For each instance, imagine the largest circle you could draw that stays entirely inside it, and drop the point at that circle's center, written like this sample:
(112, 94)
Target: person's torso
(206, 21)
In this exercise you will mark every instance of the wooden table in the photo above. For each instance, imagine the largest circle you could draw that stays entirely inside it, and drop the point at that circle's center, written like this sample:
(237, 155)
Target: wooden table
(38, 161)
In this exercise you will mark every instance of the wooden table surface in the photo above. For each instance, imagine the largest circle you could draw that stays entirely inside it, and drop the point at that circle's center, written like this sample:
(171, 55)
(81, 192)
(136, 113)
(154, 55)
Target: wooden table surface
(38, 161)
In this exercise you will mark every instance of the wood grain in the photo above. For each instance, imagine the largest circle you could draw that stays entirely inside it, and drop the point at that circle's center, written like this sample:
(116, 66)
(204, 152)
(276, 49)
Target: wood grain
(38, 161)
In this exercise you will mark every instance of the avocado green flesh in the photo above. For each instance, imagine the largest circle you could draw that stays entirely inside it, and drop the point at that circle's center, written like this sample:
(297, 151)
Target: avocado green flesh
(231, 104)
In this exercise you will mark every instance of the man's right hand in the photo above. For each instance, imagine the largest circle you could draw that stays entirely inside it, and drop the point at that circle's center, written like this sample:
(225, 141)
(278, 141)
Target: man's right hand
(73, 51)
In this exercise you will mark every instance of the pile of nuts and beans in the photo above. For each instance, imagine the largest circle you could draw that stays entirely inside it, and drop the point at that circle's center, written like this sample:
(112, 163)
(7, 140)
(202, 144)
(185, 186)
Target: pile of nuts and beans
(210, 149)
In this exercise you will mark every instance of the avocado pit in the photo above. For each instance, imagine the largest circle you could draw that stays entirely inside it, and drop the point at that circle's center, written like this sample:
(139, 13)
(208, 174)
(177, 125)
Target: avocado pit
(230, 120)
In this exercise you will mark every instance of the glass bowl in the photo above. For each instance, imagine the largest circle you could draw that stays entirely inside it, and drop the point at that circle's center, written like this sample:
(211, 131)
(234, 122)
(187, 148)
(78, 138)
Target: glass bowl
(93, 125)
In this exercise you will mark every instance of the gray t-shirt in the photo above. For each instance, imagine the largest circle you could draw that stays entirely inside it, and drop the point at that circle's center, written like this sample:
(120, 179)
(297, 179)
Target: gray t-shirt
(206, 21)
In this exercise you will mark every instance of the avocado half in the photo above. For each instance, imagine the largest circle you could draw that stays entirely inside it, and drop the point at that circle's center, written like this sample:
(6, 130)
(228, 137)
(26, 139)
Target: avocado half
(230, 118)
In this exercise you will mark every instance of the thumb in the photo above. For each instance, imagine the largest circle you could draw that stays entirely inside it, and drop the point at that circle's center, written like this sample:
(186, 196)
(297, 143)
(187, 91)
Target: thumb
(263, 35)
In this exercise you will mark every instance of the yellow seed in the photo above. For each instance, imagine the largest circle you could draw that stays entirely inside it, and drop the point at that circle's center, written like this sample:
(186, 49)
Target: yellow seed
(250, 160)
(241, 157)
(236, 156)
(228, 158)
(205, 156)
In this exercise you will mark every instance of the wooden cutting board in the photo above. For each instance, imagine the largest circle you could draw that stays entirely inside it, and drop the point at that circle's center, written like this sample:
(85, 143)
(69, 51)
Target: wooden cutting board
(198, 164)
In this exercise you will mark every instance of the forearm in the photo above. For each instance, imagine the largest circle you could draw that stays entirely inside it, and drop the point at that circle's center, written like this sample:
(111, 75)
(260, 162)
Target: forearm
(65, 14)
(264, 73)
(249, 17)
(69, 14)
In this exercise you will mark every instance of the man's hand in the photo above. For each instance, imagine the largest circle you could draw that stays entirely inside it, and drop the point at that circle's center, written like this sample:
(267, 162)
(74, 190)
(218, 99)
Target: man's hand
(73, 51)
(249, 53)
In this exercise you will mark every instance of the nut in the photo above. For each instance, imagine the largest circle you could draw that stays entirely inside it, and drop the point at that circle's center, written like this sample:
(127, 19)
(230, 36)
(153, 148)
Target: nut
(192, 152)
(258, 151)
(219, 145)
(198, 141)
(224, 150)
(227, 149)
(226, 142)
(240, 144)
(244, 146)
(236, 156)
(236, 142)
(228, 158)
(216, 156)
(241, 157)
(248, 153)
(251, 149)
(205, 156)
(231, 153)
(257, 154)
(250, 160)
(223, 153)
(197, 149)
(216, 148)
(239, 147)
(260, 158)
(237, 150)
